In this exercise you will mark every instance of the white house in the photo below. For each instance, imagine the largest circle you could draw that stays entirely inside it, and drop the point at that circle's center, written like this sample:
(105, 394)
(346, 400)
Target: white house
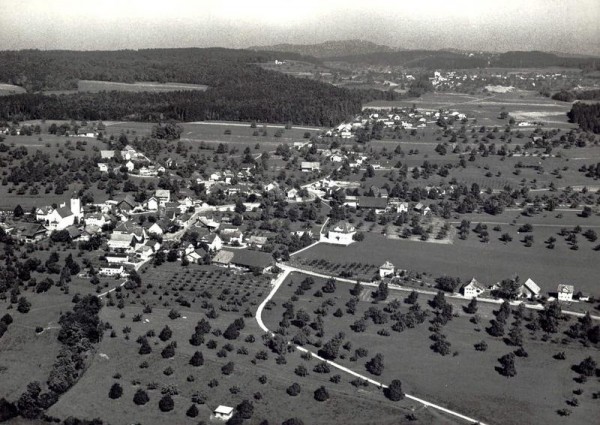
(129, 165)
(473, 289)
(308, 166)
(103, 167)
(223, 412)
(152, 204)
(565, 292)
(95, 219)
(292, 194)
(111, 270)
(386, 269)
(163, 196)
(341, 233)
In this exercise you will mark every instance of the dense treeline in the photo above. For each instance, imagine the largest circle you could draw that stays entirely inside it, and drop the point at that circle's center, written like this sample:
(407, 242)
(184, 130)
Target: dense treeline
(586, 115)
(278, 98)
(571, 95)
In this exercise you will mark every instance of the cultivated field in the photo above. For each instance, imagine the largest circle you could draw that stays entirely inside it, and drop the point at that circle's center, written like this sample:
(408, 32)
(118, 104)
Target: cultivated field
(92, 86)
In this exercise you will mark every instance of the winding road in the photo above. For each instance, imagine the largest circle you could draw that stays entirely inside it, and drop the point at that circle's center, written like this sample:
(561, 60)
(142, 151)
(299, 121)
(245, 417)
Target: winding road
(276, 284)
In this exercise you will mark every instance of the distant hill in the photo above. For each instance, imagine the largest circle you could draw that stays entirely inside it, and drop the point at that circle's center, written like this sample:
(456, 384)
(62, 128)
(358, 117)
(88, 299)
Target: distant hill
(328, 48)
(453, 59)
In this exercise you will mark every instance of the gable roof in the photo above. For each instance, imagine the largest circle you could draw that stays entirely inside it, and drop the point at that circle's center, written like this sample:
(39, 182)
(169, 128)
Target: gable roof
(248, 258)
(476, 284)
(372, 202)
(64, 212)
(223, 257)
(343, 227)
(532, 286)
(566, 289)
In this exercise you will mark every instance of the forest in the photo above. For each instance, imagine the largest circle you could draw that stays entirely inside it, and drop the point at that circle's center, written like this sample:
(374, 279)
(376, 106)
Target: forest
(571, 95)
(239, 90)
(586, 115)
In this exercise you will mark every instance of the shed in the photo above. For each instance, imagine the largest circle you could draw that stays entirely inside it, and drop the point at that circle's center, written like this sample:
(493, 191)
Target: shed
(223, 412)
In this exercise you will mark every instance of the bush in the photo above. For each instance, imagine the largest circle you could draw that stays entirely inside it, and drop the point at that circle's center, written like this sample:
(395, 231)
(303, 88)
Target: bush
(165, 334)
(197, 359)
(228, 368)
(192, 412)
(166, 404)
(394, 391)
(116, 391)
(293, 389)
(321, 394)
(141, 397)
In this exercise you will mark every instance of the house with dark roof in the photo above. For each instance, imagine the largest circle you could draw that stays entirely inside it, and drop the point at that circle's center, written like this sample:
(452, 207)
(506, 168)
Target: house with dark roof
(372, 202)
(252, 260)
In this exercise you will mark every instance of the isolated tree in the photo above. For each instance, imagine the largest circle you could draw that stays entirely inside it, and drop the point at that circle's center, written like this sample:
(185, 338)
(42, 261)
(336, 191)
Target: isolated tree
(169, 351)
(471, 308)
(197, 359)
(329, 287)
(116, 391)
(496, 328)
(587, 367)
(245, 409)
(394, 391)
(412, 297)
(145, 347)
(165, 334)
(293, 389)
(227, 369)
(507, 363)
(382, 291)
(23, 306)
(140, 397)
(192, 412)
(375, 365)
(321, 394)
(166, 403)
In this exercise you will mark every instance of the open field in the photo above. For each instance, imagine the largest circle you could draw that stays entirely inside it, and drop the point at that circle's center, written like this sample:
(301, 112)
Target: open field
(98, 86)
(489, 263)
(523, 105)
(466, 381)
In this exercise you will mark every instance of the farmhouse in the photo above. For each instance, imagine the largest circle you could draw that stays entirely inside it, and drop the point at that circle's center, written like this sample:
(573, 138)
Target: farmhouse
(387, 269)
(111, 270)
(223, 258)
(473, 289)
(116, 258)
(530, 289)
(107, 154)
(341, 233)
(223, 413)
(371, 202)
(565, 292)
(29, 231)
(252, 260)
(308, 166)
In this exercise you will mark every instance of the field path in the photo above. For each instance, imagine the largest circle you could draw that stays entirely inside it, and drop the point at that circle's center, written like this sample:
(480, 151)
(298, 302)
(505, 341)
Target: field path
(276, 284)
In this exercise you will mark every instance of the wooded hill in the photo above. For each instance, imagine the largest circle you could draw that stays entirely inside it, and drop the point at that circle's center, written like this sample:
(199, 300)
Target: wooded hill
(238, 89)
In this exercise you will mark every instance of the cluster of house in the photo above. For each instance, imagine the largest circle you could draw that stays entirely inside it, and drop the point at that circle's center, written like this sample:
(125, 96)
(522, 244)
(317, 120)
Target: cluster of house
(473, 289)
(135, 162)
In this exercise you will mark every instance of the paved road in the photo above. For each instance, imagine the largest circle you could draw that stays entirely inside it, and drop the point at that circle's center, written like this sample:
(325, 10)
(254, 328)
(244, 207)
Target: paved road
(276, 284)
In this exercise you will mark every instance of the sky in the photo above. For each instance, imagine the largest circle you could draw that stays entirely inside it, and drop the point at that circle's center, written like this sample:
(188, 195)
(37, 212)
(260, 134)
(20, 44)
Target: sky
(570, 26)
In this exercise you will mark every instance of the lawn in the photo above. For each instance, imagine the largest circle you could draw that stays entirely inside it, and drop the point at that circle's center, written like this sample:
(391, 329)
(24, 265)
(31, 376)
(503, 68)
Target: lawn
(466, 381)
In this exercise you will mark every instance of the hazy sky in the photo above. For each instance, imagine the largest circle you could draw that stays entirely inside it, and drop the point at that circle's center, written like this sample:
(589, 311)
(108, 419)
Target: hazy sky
(553, 25)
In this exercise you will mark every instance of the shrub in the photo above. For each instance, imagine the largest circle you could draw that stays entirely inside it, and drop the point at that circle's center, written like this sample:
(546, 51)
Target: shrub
(116, 391)
(192, 412)
(321, 394)
(228, 368)
(394, 391)
(141, 397)
(197, 359)
(166, 404)
(293, 389)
